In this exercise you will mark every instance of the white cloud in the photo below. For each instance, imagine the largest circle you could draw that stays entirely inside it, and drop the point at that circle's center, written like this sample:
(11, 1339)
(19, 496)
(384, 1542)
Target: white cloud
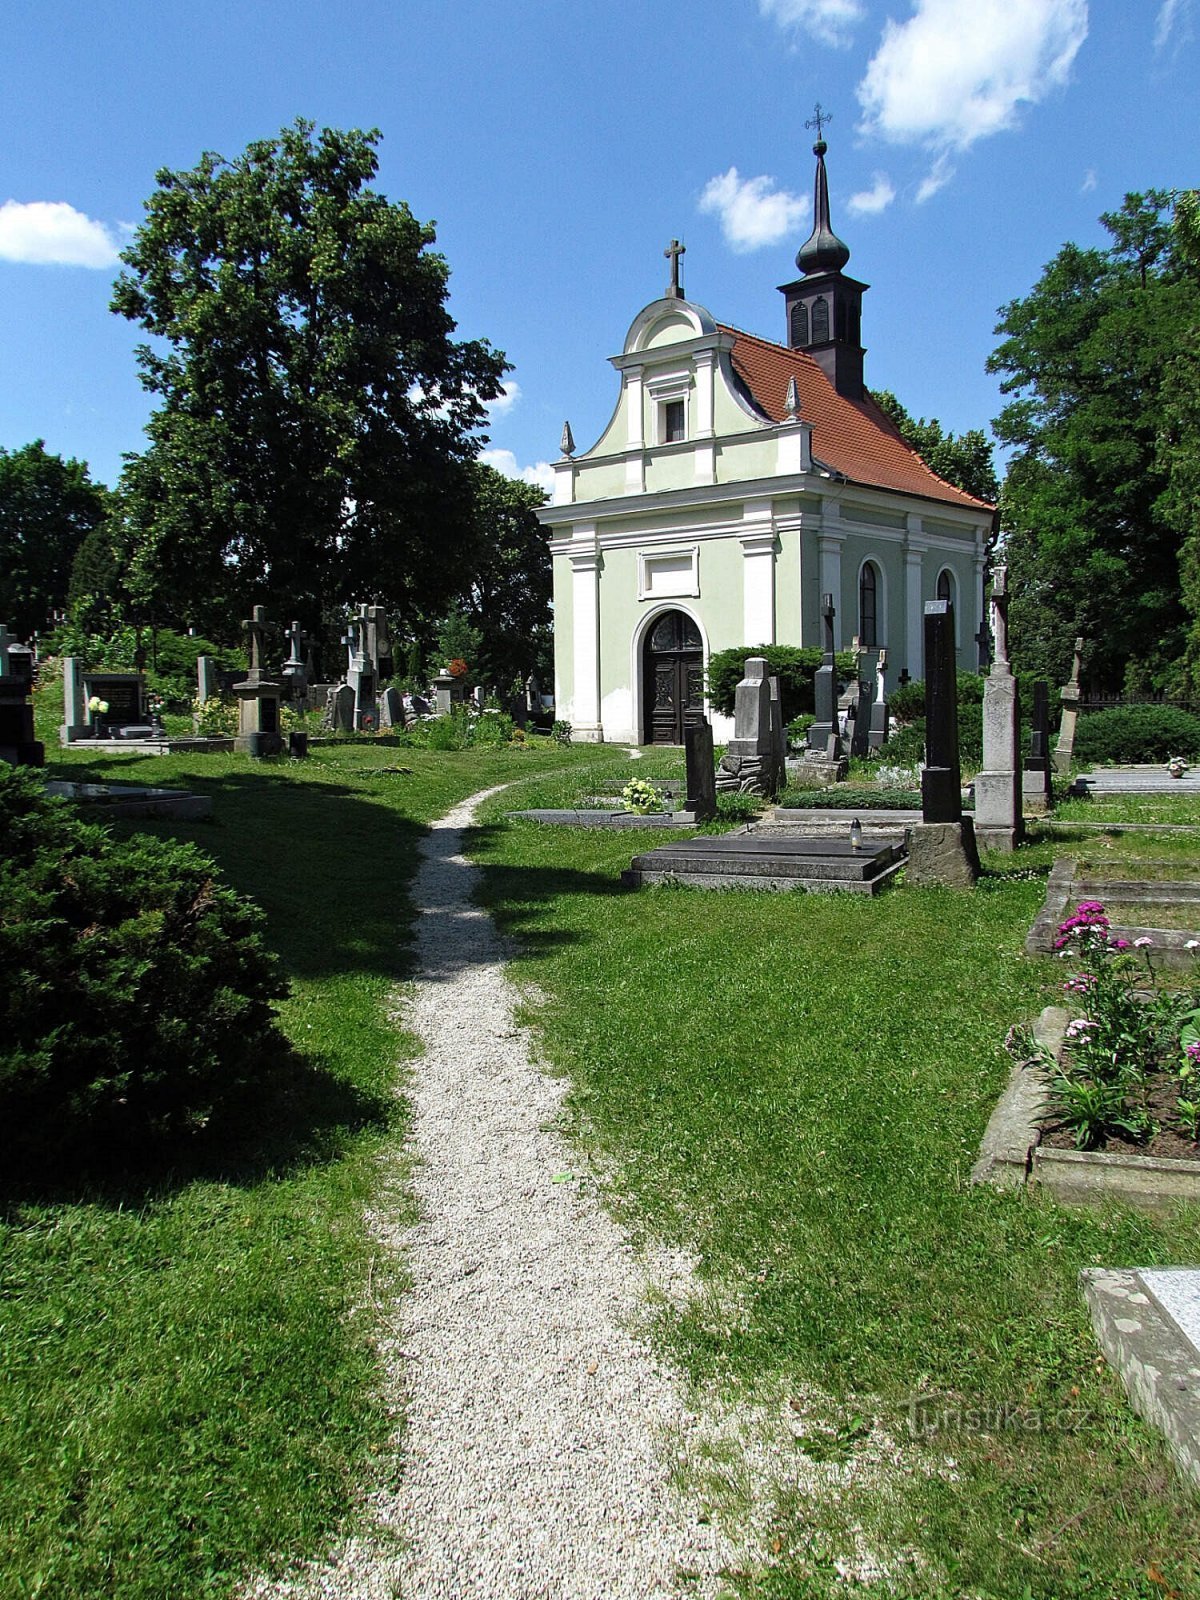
(1170, 13)
(936, 178)
(830, 21)
(1089, 181)
(504, 461)
(869, 202)
(957, 70)
(510, 393)
(753, 211)
(50, 232)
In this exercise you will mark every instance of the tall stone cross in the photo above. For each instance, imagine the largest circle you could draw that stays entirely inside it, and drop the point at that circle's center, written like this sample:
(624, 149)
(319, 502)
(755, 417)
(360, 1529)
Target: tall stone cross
(674, 250)
(295, 638)
(827, 615)
(255, 627)
(1000, 615)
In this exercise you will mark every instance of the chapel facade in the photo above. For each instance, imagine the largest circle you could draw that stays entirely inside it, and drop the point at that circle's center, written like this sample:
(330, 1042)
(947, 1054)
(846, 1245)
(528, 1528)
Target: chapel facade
(738, 481)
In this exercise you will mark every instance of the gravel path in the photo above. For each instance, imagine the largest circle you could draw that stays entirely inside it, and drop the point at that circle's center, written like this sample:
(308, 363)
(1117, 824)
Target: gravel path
(539, 1426)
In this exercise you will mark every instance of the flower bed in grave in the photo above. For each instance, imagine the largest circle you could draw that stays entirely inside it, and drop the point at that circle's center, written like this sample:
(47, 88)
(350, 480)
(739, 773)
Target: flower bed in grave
(1126, 1078)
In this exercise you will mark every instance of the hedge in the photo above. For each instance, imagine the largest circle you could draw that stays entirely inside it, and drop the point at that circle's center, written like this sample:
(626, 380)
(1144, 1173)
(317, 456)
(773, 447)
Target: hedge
(1137, 733)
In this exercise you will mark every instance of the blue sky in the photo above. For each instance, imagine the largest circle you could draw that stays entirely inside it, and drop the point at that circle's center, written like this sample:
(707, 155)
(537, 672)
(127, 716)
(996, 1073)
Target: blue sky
(560, 144)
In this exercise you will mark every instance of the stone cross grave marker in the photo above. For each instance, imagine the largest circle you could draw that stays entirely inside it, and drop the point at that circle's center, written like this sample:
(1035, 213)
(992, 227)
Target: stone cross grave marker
(823, 735)
(998, 819)
(877, 735)
(1069, 695)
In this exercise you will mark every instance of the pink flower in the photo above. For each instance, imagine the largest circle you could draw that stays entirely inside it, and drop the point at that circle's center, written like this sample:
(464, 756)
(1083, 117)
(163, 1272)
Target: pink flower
(1120, 944)
(1144, 943)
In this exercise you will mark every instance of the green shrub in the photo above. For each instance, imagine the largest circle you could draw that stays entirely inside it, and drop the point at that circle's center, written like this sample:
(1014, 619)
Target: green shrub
(1137, 733)
(906, 701)
(794, 668)
(135, 989)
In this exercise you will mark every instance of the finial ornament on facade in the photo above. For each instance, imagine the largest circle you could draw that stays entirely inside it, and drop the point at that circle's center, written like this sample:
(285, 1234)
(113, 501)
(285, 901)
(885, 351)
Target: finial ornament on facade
(673, 251)
(791, 402)
(567, 443)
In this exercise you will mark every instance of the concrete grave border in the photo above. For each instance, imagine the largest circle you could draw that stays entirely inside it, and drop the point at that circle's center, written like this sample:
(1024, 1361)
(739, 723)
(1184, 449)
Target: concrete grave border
(1066, 885)
(1155, 1361)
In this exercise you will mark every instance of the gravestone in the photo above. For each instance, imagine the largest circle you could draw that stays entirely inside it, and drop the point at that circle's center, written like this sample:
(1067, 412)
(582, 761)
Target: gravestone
(443, 693)
(533, 695)
(878, 732)
(258, 696)
(858, 703)
(76, 723)
(295, 673)
(379, 640)
(18, 746)
(778, 739)
(207, 684)
(124, 693)
(339, 709)
(391, 708)
(824, 758)
(361, 674)
(748, 765)
(1064, 750)
(998, 811)
(1038, 798)
(941, 847)
(701, 798)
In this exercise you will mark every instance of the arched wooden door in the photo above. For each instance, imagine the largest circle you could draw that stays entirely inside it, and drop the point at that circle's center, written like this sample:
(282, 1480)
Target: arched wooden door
(673, 678)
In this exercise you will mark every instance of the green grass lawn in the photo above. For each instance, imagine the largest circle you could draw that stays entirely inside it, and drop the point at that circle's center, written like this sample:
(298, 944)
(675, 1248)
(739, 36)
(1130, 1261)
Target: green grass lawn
(793, 1088)
(189, 1383)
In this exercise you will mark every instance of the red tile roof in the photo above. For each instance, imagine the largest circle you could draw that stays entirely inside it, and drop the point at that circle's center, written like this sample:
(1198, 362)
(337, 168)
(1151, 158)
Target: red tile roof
(852, 437)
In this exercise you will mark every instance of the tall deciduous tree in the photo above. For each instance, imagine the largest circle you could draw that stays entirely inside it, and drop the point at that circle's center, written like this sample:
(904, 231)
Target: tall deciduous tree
(508, 600)
(1090, 547)
(48, 507)
(314, 431)
(963, 459)
(1179, 441)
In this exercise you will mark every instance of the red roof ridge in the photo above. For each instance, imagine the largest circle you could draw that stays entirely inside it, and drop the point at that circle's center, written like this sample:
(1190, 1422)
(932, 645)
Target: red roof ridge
(854, 438)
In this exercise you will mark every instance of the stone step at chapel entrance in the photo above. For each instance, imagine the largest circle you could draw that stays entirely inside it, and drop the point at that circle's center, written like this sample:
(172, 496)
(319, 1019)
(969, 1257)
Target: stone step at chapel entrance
(673, 675)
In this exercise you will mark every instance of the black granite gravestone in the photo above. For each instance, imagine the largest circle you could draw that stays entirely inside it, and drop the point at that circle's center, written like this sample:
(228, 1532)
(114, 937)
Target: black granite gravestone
(941, 782)
(701, 774)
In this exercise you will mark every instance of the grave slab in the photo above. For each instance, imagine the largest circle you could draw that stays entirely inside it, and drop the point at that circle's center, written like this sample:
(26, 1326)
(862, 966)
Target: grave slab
(607, 818)
(133, 800)
(763, 861)
(1147, 1323)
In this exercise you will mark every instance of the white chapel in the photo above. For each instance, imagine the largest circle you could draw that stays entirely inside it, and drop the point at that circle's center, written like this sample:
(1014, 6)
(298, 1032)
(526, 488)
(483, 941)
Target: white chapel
(737, 482)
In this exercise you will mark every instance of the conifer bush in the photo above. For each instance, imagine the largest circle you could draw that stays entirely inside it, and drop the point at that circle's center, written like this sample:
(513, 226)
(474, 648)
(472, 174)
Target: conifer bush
(135, 988)
(794, 667)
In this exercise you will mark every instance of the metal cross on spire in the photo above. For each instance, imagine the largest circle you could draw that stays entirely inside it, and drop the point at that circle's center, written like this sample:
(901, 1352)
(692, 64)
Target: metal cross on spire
(818, 119)
(674, 250)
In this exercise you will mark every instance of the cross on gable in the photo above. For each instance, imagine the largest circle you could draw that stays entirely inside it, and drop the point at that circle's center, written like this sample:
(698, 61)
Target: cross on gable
(673, 251)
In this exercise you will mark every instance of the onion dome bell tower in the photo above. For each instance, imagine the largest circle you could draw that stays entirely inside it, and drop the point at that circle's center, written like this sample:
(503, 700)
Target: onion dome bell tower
(824, 307)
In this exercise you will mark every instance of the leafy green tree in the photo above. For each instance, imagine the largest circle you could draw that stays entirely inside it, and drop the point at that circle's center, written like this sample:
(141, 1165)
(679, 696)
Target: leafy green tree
(508, 600)
(963, 459)
(315, 425)
(48, 507)
(1090, 547)
(1179, 440)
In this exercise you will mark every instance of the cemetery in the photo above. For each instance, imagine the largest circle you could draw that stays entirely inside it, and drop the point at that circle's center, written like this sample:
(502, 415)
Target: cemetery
(954, 886)
(633, 1037)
